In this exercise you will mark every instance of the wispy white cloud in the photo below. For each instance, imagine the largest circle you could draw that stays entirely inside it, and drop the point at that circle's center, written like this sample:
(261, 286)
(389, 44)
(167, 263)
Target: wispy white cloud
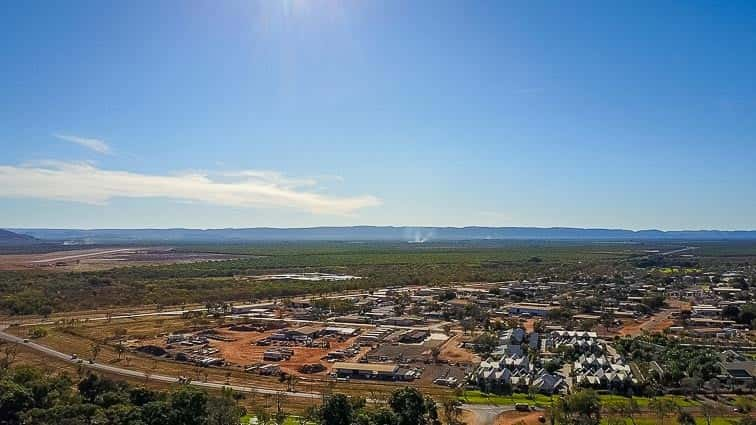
(96, 145)
(84, 182)
(267, 176)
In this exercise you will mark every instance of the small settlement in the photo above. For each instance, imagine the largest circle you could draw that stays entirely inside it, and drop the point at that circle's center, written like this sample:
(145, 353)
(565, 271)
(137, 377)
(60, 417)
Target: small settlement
(542, 335)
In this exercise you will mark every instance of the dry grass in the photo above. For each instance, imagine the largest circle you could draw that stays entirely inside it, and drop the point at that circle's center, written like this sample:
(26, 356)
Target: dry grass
(451, 351)
(85, 260)
(79, 340)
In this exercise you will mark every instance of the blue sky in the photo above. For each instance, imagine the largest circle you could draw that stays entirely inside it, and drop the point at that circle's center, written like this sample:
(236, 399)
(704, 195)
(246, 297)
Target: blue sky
(300, 113)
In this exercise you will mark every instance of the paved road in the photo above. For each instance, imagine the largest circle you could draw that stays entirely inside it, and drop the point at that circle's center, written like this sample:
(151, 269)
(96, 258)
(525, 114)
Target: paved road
(142, 375)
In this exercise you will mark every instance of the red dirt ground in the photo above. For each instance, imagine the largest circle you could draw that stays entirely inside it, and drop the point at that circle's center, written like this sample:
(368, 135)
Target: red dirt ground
(451, 351)
(244, 352)
(506, 418)
(656, 324)
(517, 418)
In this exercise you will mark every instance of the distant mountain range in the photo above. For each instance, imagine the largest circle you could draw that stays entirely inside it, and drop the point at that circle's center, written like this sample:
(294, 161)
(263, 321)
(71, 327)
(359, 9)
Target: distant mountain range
(370, 233)
(7, 237)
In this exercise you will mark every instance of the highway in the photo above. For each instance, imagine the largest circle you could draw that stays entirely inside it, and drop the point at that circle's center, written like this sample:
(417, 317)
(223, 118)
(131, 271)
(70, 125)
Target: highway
(129, 373)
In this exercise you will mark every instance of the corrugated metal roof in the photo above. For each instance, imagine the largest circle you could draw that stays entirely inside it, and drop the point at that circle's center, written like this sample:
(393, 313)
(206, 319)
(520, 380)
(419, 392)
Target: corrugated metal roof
(367, 367)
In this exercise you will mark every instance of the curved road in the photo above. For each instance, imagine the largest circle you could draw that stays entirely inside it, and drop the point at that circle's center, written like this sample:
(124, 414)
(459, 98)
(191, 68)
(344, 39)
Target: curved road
(143, 375)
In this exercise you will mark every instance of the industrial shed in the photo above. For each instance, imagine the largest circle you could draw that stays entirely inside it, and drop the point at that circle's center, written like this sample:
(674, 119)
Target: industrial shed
(367, 370)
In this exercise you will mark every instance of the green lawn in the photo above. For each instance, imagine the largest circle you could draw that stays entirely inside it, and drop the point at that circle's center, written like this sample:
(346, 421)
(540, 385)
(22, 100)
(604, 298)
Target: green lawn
(477, 397)
(643, 402)
(290, 420)
(673, 421)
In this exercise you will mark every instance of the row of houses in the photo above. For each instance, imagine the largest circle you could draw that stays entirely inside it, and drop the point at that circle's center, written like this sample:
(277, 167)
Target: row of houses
(578, 341)
(509, 367)
(601, 371)
(513, 364)
(516, 374)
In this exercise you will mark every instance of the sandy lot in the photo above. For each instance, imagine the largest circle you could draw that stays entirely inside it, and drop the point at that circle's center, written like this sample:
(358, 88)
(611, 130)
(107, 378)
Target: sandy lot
(451, 351)
(524, 418)
(103, 258)
(242, 351)
(678, 304)
(496, 415)
(656, 324)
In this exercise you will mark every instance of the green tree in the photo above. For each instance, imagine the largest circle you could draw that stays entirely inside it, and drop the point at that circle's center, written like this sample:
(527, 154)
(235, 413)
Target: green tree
(685, 418)
(486, 343)
(337, 410)
(187, 407)
(223, 410)
(410, 406)
(580, 408)
(14, 400)
(140, 396)
(94, 386)
(155, 413)
(451, 411)
(383, 417)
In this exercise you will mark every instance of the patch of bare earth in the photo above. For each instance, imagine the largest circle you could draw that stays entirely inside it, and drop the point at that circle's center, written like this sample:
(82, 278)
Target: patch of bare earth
(452, 352)
(518, 418)
(103, 259)
(243, 351)
(656, 324)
